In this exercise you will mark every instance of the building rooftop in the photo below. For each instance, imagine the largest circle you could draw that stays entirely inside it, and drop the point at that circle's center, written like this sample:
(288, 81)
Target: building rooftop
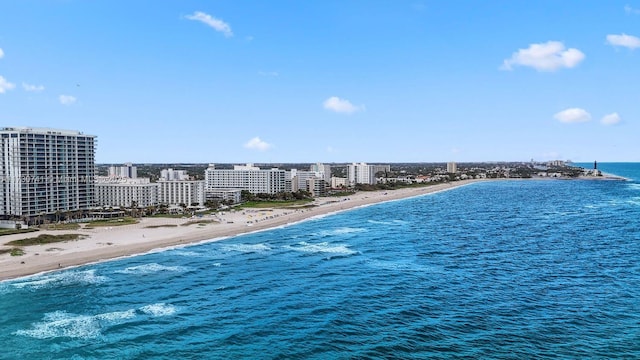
(36, 130)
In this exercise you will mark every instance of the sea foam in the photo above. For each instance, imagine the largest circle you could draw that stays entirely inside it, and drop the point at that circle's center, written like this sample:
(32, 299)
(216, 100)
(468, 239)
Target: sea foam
(323, 247)
(64, 324)
(151, 268)
(65, 278)
(246, 248)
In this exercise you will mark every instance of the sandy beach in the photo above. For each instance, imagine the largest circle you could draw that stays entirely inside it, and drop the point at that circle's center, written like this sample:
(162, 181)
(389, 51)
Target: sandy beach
(104, 243)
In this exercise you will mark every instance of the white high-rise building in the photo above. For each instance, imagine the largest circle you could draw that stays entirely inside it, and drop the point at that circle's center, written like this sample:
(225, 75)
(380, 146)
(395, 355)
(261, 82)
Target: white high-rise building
(363, 173)
(170, 174)
(452, 168)
(246, 177)
(126, 171)
(299, 178)
(126, 192)
(45, 171)
(176, 192)
(323, 169)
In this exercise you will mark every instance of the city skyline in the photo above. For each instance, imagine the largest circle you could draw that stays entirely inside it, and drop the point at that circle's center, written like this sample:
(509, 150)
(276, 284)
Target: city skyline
(335, 82)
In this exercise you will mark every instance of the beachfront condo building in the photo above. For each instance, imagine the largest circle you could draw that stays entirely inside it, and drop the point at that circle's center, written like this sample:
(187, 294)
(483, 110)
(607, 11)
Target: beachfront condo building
(452, 167)
(177, 192)
(125, 192)
(362, 173)
(324, 169)
(170, 175)
(125, 171)
(45, 171)
(246, 177)
(299, 179)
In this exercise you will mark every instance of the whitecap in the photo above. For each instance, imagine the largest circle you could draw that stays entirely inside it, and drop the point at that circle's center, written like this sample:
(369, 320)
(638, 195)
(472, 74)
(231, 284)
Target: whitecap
(188, 253)
(159, 309)
(323, 247)
(390, 223)
(65, 278)
(246, 248)
(341, 231)
(64, 324)
(151, 268)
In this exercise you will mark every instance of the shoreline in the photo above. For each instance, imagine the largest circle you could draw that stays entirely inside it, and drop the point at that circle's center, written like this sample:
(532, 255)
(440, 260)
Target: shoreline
(160, 234)
(111, 243)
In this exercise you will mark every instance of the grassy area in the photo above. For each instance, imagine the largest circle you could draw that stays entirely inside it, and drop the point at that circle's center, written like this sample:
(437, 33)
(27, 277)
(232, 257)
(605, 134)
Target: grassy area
(46, 239)
(16, 231)
(273, 204)
(160, 226)
(61, 226)
(12, 251)
(199, 222)
(112, 222)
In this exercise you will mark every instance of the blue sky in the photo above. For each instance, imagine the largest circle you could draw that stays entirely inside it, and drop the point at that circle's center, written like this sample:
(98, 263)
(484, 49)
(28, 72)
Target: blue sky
(328, 81)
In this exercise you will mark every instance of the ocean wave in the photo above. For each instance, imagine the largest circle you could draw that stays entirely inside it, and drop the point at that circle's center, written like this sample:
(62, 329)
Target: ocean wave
(59, 324)
(65, 278)
(391, 223)
(341, 231)
(151, 268)
(323, 247)
(634, 186)
(246, 248)
(188, 253)
(159, 309)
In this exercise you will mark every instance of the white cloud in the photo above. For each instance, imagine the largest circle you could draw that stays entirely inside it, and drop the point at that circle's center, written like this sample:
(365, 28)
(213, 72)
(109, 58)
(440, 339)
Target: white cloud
(549, 56)
(1, 53)
(67, 99)
(611, 119)
(338, 105)
(629, 10)
(257, 144)
(5, 85)
(572, 115)
(209, 20)
(32, 88)
(628, 41)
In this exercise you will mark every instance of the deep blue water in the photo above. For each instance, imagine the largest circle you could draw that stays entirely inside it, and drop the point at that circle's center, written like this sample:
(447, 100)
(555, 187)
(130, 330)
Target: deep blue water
(508, 269)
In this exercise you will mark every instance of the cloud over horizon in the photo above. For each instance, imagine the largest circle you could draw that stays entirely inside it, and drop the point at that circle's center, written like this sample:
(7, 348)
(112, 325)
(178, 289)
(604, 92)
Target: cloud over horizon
(32, 88)
(210, 21)
(67, 99)
(572, 116)
(611, 119)
(624, 40)
(5, 85)
(338, 105)
(549, 56)
(1, 53)
(257, 144)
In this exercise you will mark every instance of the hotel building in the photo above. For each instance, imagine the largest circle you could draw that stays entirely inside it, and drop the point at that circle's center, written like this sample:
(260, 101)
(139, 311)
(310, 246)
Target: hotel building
(126, 192)
(174, 189)
(249, 177)
(45, 171)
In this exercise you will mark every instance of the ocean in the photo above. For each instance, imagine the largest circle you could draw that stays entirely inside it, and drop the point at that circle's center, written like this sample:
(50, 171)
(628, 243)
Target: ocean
(506, 269)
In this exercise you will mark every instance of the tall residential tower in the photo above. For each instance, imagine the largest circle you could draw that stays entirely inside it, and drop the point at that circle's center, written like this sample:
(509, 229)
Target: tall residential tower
(45, 171)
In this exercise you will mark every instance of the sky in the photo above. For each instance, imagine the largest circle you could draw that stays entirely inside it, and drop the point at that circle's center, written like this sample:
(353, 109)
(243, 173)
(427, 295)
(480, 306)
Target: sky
(238, 81)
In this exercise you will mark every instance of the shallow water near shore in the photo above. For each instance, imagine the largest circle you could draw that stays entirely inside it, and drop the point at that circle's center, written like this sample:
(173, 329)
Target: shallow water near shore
(513, 269)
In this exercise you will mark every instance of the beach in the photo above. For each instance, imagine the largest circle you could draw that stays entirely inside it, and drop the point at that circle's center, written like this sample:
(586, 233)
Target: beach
(149, 234)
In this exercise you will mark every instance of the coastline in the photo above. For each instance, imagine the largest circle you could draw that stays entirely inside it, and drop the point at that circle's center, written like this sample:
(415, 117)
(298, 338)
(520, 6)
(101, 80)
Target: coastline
(157, 234)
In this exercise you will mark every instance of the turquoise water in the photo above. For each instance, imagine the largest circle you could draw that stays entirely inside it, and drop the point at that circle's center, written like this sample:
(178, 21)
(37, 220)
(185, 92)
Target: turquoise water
(509, 269)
